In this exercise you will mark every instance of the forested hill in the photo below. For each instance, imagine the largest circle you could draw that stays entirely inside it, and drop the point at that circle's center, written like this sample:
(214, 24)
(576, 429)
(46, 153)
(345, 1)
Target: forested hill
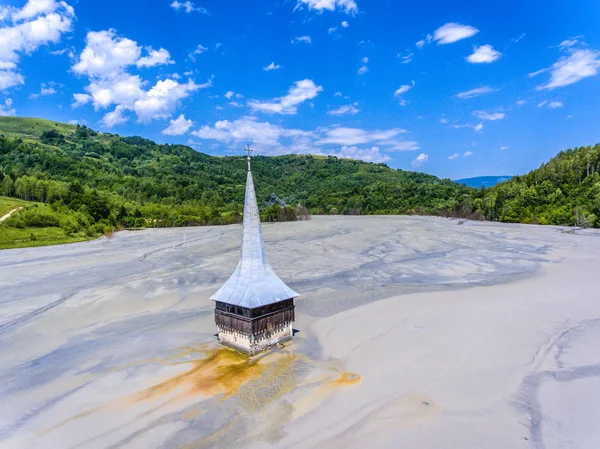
(563, 191)
(132, 181)
(87, 183)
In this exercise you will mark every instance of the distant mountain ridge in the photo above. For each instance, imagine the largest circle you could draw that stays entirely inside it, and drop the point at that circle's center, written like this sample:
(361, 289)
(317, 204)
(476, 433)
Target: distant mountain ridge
(485, 181)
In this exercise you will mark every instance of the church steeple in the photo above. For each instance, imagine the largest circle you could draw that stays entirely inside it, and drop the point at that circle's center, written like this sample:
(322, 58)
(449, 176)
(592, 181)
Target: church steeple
(254, 309)
(253, 283)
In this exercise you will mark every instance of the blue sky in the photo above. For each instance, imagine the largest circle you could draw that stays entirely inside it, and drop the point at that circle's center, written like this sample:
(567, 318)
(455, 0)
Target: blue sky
(453, 90)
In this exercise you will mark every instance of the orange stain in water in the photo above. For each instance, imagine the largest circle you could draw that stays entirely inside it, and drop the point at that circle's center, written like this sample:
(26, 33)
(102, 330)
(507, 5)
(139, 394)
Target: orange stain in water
(346, 379)
(222, 372)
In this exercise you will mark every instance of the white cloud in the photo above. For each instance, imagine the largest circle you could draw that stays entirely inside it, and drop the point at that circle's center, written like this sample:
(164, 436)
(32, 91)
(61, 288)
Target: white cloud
(271, 66)
(81, 99)
(550, 104)
(344, 110)
(422, 42)
(368, 155)
(454, 156)
(476, 92)
(178, 126)
(532, 74)
(6, 108)
(568, 43)
(404, 145)
(403, 89)
(38, 23)
(301, 91)
(483, 54)
(115, 117)
(155, 57)
(517, 39)
(332, 30)
(364, 69)
(348, 6)
(123, 89)
(405, 58)
(45, 89)
(106, 54)
(274, 139)
(247, 129)
(477, 128)
(60, 52)
(162, 99)
(579, 64)
(453, 32)
(365, 60)
(521, 102)
(188, 7)
(106, 59)
(198, 51)
(345, 24)
(304, 39)
(467, 154)
(483, 115)
(420, 160)
(230, 94)
(357, 136)
(35, 8)
(505, 147)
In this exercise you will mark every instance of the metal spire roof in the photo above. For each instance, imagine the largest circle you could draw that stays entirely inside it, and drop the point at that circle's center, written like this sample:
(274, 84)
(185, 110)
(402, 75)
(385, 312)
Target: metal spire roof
(253, 283)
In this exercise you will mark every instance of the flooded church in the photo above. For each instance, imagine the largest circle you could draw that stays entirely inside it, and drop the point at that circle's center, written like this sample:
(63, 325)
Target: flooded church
(254, 309)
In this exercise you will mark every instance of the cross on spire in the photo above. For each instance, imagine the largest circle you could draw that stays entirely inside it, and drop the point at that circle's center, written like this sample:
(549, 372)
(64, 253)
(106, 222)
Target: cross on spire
(249, 151)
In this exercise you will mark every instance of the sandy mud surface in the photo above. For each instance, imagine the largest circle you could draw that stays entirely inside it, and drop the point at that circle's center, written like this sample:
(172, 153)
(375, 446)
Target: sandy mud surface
(411, 332)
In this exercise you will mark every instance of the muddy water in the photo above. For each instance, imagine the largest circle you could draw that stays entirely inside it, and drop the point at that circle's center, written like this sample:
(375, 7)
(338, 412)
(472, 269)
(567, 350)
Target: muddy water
(111, 343)
(216, 378)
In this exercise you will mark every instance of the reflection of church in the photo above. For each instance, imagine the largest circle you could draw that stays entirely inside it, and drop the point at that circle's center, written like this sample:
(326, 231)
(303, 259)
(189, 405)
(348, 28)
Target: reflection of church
(254, 309)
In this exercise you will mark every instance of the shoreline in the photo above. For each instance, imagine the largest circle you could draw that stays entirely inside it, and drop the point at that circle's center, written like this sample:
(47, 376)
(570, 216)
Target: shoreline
(40, 244)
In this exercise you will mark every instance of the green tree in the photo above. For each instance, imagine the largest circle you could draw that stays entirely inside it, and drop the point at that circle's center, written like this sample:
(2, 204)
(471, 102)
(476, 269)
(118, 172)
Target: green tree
(8, 186)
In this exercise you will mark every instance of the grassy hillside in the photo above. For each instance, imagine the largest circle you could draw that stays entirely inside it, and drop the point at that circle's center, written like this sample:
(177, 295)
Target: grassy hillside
(31, 128)
(39, 236)
(8, 204)
(37, 224)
